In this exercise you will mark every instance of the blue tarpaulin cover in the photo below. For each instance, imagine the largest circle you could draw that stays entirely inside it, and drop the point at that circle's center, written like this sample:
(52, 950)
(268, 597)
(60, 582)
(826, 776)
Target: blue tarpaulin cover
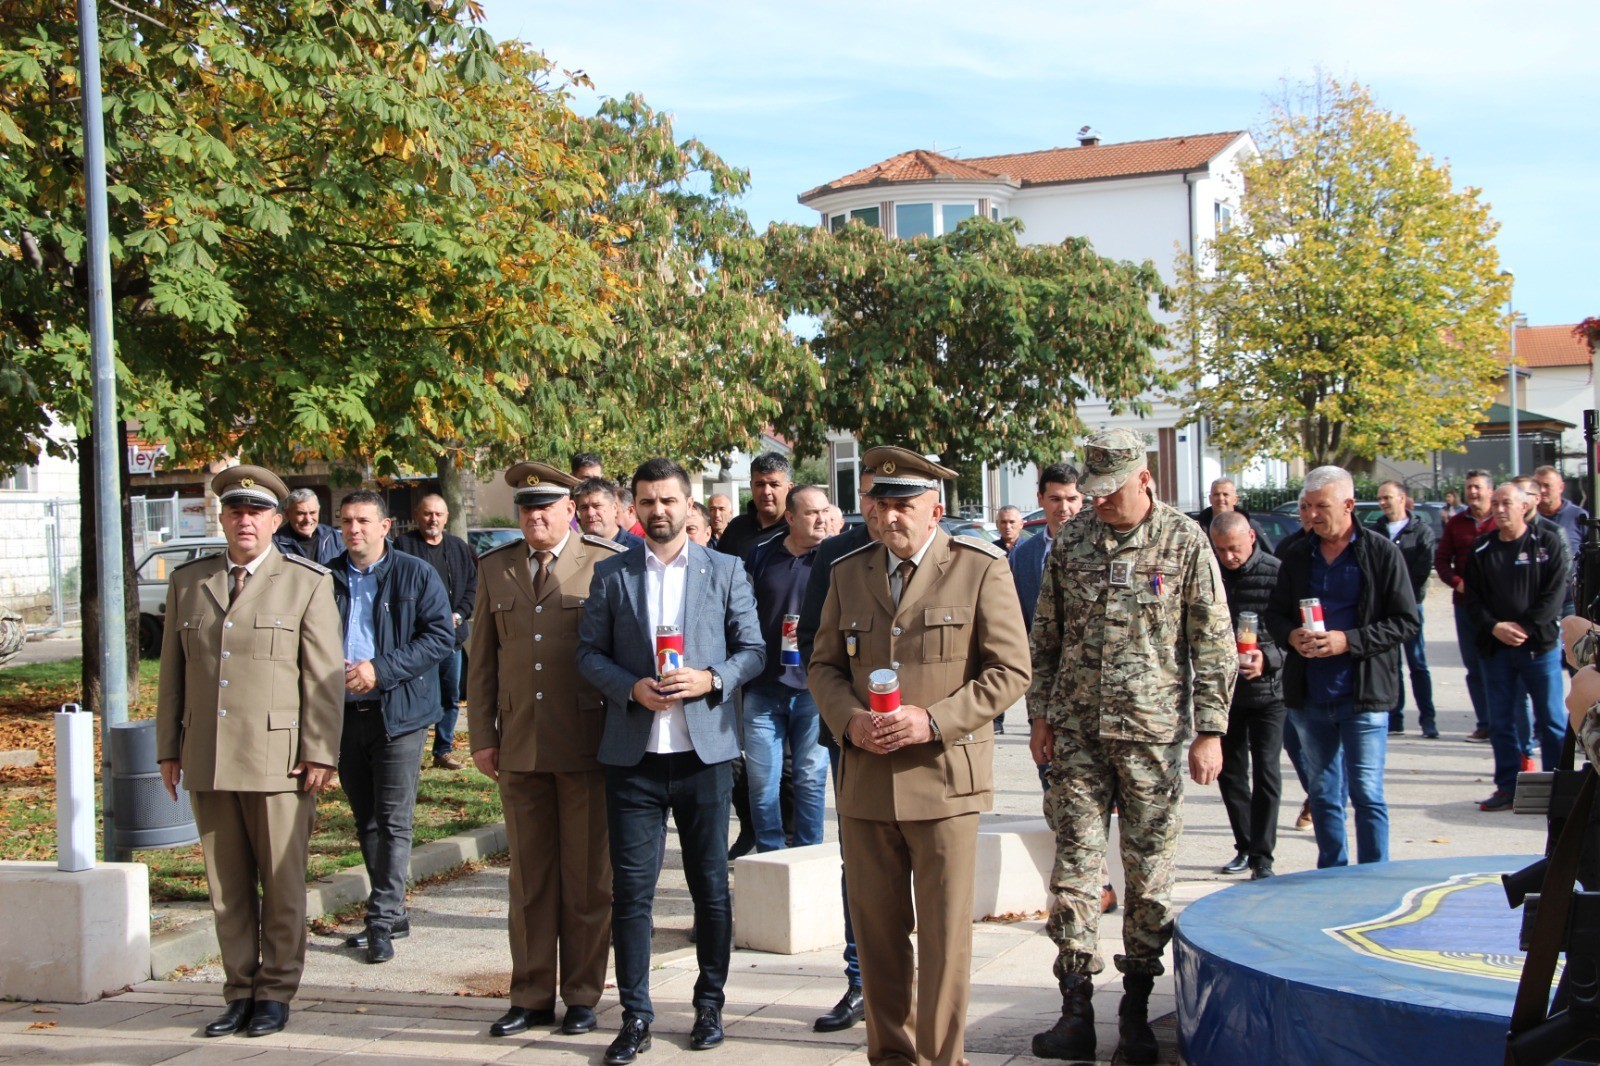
(1398, 962)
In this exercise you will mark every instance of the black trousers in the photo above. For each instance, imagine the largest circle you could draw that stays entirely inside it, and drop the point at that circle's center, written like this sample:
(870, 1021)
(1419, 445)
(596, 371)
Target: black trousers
(1250, 782)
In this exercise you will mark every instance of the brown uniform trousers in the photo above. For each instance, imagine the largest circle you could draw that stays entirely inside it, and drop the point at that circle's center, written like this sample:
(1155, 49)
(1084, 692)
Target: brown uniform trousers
(909, 819)
(245, 694)
(526, 698)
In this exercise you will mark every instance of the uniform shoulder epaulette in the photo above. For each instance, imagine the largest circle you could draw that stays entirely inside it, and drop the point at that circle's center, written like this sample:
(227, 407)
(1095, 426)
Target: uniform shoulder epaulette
(309, 564)
(199, 559)
(603, 542)
(502, 547)
(857, 551)
(993, 550)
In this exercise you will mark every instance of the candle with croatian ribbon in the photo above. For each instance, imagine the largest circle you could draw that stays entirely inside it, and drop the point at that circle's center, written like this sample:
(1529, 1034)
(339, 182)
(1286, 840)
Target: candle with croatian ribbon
(669, 650)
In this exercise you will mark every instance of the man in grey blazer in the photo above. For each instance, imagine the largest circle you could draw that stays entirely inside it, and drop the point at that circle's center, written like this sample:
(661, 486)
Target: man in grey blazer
(669, 739)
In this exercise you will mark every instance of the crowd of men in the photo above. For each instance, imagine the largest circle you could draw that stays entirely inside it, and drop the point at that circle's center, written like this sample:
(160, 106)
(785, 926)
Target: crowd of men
(640, 658)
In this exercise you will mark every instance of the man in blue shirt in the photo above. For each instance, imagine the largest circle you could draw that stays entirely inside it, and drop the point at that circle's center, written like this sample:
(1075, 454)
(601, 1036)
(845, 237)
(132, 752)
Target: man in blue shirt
(397, 630)
(1573, 521)
(1342, 672)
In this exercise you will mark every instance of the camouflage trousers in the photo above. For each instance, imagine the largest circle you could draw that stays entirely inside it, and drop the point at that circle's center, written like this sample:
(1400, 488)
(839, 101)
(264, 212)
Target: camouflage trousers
(1145, 781)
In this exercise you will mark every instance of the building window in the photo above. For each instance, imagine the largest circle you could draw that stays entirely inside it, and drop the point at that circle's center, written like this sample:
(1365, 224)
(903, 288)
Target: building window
(955, 214)
(994, 214)
(913, 220)
(845, 477)
(23, 478)
(868, 216)
(836, 223)
(1223, 216)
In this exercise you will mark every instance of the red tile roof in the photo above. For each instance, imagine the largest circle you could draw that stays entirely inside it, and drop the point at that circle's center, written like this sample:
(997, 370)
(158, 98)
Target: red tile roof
(1548, 346)
(1051, 166)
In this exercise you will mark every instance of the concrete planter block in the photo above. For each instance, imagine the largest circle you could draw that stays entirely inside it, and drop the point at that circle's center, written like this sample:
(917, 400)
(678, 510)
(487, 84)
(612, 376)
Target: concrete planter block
(787, 901)
(1014, 861)
(73, 937)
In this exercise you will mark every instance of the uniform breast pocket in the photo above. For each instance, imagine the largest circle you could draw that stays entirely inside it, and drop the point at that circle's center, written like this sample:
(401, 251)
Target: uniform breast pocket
(277, 636)
(947, 632)
(189, 631)
(504, 619)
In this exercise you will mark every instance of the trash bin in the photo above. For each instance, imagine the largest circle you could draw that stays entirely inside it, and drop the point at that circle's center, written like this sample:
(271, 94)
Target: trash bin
(146, 817)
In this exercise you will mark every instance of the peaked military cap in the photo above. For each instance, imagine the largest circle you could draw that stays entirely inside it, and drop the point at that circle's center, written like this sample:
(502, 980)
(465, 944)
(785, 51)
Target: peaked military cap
(249, 486)
(536, 484)
(1110, 459)
(899, 474)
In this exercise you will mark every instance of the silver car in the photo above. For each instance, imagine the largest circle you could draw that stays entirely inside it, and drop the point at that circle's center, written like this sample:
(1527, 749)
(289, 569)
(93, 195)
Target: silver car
(154, 567)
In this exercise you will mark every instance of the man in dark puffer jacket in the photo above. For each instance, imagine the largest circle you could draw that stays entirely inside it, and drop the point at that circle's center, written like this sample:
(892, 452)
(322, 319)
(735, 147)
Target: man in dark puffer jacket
(1250, 782)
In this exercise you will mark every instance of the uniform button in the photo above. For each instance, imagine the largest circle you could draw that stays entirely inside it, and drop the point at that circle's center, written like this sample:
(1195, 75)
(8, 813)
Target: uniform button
(222, 713)
(538, 666)
(538, 695)
(967, 737)
(852, 625)
(537, 637)
(227, 625)
(277, 621)
(895, 631)
(223, 682)
(538, 609)
(947, 618)
(894, 666)
(227, 654)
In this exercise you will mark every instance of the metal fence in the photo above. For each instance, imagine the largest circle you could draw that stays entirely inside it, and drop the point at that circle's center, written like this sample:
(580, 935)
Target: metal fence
(40, 567)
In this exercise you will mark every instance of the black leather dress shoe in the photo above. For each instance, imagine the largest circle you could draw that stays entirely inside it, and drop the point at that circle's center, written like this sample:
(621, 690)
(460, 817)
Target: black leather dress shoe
(1237, 865)
(380, 945)
(846, 1013)
(633, 1041)
(1261, 870)
(399, 931)
(707, 1031)
(521, 1019)
(269, 1017)
(236, 1017)
(578, 1020)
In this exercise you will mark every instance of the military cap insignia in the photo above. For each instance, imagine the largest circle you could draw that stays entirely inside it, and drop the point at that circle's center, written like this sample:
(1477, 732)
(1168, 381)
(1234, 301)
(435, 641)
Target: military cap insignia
(531, 479)
(888, 467)
(247, 483)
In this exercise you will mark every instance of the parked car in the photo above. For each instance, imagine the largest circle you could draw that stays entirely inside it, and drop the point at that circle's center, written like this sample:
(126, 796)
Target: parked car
(155, 566)
(488, 538)
(961, 527)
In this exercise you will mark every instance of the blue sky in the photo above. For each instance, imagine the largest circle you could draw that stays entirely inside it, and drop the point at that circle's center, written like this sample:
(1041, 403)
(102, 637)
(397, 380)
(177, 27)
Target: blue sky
(799, 94)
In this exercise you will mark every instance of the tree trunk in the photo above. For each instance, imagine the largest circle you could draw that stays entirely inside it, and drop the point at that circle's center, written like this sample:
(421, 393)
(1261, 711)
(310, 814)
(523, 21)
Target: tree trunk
(450, 489)
(93, 686)
(952, 506)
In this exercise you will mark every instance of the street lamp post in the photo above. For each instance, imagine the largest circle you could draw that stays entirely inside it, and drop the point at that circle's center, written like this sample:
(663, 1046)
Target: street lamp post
(1511, 373)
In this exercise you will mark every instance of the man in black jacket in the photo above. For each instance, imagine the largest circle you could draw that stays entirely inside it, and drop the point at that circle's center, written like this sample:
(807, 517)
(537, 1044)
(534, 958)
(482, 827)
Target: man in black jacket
(1414, 537)
(452, 559)
(396, 632)
(1342, 670)
(1254, 740)
(769, 489)
(303, 533)
(1516, 578)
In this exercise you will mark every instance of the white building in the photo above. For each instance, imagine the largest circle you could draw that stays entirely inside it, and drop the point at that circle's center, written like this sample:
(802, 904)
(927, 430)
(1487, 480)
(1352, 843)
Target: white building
(1135, 201)
(39, 554)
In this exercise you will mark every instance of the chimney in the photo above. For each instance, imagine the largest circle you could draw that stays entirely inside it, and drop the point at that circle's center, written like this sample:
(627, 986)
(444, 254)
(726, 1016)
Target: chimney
(1087, 137)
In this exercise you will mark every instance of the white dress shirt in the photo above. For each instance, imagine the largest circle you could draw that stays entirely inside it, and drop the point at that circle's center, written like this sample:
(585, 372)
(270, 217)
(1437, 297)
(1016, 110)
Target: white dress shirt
(663, 593)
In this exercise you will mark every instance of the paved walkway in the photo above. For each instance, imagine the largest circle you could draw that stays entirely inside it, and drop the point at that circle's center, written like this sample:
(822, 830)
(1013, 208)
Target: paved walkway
(436, 1000)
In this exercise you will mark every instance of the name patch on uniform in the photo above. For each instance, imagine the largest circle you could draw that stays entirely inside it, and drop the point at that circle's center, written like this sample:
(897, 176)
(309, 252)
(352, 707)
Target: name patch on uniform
(1121, 574)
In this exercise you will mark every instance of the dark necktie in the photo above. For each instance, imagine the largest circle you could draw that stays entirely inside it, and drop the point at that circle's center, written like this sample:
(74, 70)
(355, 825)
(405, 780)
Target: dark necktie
(903, 572)
(240, 576)
(541, 572)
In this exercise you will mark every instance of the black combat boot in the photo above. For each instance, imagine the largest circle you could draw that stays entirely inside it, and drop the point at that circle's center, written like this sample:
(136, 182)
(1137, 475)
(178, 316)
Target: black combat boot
(1136, 1042)
(1072, 1037)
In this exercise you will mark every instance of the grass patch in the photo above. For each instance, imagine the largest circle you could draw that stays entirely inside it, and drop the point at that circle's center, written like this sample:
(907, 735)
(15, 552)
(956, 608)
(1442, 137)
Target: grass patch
(448, 801)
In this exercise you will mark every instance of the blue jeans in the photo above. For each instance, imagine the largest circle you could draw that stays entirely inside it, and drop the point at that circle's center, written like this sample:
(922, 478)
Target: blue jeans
(774, 714)
(1467, 641)
(852, 958)
(637, 797)
(1342, 749)
(444, 732)
(379, 774)
(1510, 672)
(1421, 683)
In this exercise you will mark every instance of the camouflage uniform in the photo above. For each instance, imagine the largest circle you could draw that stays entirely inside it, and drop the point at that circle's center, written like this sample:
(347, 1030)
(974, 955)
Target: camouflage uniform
(1130, 632)
(1585, 651)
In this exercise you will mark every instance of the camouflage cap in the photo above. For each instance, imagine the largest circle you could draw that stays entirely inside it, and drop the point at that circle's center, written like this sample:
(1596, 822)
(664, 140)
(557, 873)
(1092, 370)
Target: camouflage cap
(538, 484)
(1110, 459)
(249, 486)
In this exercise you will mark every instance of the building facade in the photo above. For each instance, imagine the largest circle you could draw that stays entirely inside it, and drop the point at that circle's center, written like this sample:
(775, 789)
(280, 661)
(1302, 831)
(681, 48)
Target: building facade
(1141, 200)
